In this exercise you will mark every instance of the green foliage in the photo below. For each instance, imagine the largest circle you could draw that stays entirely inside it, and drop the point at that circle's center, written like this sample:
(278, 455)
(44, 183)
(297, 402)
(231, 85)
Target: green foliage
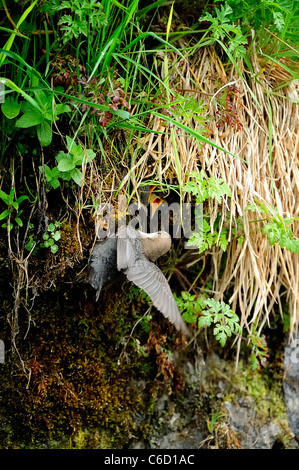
(52, 176)
(189, 109)
(211, 422)
(12, 212)
(259, 354)
(225, 320)
(10, 107)
(204, 188)
(145, 322)
(83, 17)
(222, 28)
(207, 312)
(264, 13)
(190, 305)
(12, 36)
(276, 227)
(50, 237)
(205, 238)
(67, 164)
(273, 24)
(39, 113)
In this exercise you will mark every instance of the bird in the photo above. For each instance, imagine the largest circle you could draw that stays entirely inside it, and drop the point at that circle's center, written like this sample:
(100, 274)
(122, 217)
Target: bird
(133, 253)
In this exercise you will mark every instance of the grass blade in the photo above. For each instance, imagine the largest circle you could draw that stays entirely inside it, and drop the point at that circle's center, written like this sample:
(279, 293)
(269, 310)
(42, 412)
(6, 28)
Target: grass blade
(11, 39)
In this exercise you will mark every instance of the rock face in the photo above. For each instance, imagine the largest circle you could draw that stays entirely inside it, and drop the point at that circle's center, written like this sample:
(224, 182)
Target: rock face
(243, 421)
(291, 384)
(221, 408)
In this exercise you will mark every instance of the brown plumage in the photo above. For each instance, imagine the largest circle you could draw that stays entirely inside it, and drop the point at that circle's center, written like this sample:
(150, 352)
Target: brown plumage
(133, 253)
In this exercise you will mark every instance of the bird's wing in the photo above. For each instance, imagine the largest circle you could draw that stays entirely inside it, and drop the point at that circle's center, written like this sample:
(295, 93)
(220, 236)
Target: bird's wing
(125, 253)
(122, 253)
(148, 277)
(102, 264)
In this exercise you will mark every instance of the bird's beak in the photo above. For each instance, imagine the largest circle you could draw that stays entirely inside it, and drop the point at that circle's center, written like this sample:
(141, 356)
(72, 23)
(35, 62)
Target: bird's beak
(154, 200)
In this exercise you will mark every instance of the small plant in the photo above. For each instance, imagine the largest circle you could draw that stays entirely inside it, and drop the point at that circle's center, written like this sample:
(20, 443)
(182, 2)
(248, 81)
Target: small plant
(145, 322)
(276, 227)
(52, 175)
(225, 320)
(85, 16)
(107, 92)
(67, 164)
(51, 236)
(204, 188)
(205, 238)
(222, 28)
(214, 418)
(260, 14)
(40, 113)
(227, 106)
(190, 305)
(13, 212)
(206, 312)
(66, 71)
(259, 355)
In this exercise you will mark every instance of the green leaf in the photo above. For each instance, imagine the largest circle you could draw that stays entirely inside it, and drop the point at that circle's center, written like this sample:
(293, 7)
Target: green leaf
(8, 227)
(42, 99)
(205, 320)
(61, 108)
(278, 20)
(54, 249)
(46, 236)
(4, 214)
(27, 107)
(77, 176)
(189, 317)
(19, 213)
(47, 170)
(54, 183)
(56, 236)
(89, 155)
(30, 244)
(51, 175)
(5, 197)
(221, 337)
(19, 221)
(30, 119)
(295, 246)
(44, 134)
(125, 115)
(22, 198)
(51, 227)
(10, 107)
(66, 164)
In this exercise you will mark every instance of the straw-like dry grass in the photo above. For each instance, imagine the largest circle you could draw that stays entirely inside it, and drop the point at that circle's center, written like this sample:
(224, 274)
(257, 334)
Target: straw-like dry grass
(268, 141)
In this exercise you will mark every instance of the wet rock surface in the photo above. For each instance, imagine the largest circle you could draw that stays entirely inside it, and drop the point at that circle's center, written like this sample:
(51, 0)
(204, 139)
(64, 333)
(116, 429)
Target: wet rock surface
(221, 408)
(291, 383)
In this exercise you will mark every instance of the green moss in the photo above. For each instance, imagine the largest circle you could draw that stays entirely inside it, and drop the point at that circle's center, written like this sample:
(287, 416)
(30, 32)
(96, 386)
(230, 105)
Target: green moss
(79, 393)
(259, 391)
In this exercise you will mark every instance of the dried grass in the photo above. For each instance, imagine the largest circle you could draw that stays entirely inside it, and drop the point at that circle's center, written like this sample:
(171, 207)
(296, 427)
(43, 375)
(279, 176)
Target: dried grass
(259, 273)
